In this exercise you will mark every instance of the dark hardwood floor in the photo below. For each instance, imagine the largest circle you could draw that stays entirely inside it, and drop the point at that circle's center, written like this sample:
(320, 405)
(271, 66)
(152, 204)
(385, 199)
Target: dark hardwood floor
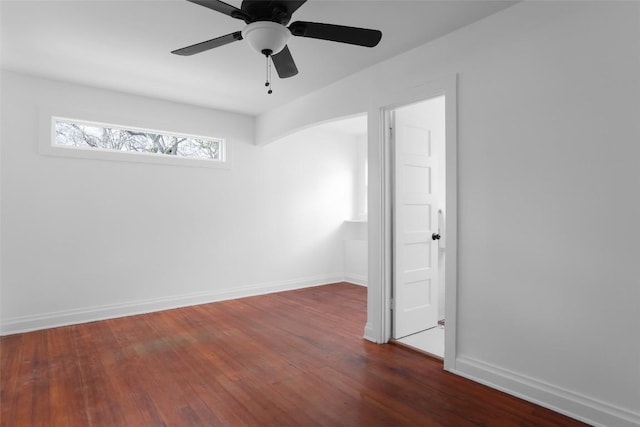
(293, 358)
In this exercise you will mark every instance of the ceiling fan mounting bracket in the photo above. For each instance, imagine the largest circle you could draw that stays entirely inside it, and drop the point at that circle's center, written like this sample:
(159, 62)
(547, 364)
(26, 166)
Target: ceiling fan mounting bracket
(274, 11)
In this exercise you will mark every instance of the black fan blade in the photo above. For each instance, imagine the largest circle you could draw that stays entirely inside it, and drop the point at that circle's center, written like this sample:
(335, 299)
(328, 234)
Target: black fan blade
(292, 5)
(283, 61)
(336, 33)
(209, 44)
(225, 8)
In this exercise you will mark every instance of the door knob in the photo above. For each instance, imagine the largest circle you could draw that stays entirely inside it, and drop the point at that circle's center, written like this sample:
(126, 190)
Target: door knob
(435, 236)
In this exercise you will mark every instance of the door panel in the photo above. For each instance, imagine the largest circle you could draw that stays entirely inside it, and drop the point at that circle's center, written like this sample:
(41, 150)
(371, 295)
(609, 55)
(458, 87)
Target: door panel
(415, 220)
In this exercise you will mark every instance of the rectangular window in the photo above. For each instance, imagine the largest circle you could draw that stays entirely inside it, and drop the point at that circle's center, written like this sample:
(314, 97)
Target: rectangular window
(109, 138)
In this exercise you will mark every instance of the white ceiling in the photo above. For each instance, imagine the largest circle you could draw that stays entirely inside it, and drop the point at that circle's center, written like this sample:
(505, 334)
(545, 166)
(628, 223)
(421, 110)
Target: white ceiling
(125, 45)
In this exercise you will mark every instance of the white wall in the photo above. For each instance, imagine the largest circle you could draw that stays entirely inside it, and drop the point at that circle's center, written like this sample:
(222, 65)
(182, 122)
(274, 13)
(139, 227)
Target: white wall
(1, 237)
(355, 231)
(86, 239)
(355, 252)
(361, 178)
(548, 173)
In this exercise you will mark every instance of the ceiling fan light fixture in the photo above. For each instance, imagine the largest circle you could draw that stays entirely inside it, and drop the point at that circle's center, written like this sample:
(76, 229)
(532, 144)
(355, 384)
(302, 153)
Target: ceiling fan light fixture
(266, 37)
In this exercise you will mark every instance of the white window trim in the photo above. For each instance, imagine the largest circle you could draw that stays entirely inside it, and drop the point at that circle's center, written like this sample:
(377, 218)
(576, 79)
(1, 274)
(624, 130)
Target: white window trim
(47, 146)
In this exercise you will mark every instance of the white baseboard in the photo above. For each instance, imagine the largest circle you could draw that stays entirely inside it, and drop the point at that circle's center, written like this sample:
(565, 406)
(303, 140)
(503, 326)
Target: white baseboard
(567, 402)
(356, 279)
(369, 334)
(110, 311)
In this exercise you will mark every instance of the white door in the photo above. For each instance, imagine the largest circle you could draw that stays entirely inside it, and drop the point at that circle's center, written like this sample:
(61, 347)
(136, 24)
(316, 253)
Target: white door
(415, 220)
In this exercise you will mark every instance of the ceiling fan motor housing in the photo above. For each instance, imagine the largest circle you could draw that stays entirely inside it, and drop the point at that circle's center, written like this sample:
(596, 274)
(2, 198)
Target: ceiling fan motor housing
(266, 37)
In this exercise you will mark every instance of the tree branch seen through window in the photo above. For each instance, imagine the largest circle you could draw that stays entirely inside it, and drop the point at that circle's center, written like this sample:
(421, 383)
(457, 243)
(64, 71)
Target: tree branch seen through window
(95, 136)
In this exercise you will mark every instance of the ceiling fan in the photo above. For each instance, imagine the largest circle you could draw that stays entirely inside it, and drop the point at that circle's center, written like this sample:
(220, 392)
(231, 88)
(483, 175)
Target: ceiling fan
(267, 31)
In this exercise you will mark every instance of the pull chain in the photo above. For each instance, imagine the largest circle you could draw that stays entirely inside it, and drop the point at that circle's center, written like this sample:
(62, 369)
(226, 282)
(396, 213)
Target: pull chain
(268, 72)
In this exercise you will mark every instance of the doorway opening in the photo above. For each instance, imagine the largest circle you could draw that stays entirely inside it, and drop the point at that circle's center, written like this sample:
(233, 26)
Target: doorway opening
(354, 229)
(417, 139)
(345, 179)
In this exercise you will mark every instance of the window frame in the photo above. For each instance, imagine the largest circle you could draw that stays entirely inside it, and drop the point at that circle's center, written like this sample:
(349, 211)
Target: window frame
(50, 148)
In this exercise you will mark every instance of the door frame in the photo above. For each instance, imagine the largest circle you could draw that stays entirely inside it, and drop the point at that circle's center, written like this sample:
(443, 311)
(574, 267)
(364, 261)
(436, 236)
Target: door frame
(378, 327)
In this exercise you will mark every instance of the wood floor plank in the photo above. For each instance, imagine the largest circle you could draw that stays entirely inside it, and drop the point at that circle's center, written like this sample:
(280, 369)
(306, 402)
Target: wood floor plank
(293, 358)
(68, 406)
